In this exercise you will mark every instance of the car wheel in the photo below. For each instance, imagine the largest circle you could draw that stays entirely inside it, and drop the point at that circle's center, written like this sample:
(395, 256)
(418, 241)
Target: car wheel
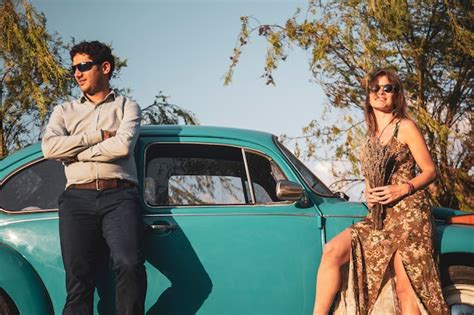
(7, 306)
(459, 289)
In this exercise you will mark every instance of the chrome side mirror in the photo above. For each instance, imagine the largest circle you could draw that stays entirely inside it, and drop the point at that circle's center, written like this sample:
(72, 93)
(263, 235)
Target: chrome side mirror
(291, 191)
(287, 190)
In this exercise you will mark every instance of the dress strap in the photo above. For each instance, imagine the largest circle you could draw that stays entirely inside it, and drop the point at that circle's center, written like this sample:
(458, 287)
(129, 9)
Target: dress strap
(395, 131)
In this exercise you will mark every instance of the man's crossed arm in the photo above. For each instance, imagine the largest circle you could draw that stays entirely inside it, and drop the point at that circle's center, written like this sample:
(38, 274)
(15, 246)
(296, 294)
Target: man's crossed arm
(95, 145)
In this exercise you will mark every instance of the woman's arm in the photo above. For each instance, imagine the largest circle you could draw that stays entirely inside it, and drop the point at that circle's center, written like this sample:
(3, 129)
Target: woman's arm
(411, 135)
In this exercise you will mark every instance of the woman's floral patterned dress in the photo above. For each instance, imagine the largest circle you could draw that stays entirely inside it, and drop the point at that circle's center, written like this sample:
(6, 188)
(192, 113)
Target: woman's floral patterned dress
(408, 227)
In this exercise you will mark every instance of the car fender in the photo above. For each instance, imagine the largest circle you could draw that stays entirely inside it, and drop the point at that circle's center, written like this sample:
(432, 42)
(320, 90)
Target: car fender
(455, 238)
(23, 285)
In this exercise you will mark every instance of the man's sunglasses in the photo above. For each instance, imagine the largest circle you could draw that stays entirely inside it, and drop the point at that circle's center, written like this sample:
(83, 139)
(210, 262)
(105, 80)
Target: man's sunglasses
(83, 66)
(387, 88)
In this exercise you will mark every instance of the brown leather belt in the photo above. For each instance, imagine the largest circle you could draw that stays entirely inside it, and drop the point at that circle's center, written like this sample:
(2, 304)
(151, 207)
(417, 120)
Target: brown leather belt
(103, 184)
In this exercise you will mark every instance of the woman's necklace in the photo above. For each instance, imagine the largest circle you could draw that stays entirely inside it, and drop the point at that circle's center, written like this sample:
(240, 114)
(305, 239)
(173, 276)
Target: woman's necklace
(381, 132)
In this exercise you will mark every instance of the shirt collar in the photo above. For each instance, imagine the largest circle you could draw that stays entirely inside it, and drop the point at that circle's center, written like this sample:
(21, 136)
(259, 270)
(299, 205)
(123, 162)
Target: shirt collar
(110, 97)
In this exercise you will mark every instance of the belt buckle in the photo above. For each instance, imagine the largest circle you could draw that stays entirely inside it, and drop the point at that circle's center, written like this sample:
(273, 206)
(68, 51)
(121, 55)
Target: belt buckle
(97, 185)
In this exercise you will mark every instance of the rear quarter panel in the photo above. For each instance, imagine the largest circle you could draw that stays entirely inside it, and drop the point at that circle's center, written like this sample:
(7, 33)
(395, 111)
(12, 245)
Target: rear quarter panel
(36, 263)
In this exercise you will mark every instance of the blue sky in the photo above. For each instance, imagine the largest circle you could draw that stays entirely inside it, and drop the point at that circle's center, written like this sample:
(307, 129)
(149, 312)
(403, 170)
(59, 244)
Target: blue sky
(183, 47)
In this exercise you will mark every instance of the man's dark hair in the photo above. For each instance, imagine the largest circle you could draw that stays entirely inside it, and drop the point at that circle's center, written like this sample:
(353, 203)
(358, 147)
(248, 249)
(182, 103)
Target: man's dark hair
(97, 51)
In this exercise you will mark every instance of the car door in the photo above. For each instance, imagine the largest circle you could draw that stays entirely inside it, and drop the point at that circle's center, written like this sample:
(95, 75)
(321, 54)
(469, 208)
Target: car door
(218, 240)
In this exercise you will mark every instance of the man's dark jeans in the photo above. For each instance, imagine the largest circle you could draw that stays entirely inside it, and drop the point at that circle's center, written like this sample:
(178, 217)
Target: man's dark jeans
(86, 219)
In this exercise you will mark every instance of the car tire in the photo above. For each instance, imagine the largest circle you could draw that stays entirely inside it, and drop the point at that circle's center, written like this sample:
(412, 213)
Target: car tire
(458, 289)
(7, 306)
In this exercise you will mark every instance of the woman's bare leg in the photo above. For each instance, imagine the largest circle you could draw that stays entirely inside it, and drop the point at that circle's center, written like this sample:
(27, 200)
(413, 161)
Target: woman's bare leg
(406, 294)
(335, 254)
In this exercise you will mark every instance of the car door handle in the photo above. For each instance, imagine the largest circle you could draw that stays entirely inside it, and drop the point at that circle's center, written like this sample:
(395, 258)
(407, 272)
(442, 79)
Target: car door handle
(162, 227)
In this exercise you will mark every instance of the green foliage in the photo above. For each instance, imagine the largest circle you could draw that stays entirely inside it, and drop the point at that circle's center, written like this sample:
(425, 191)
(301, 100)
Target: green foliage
(33, 77)
(163, 113)
(430, 45)
(31, 74)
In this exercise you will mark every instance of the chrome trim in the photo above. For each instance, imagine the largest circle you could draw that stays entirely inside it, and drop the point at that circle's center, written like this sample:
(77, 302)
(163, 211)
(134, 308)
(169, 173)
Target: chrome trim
(236, 214)
(249, 178)
(273, 204)
(27, 211)
(323, 238)
(342, 216)
(288, 190)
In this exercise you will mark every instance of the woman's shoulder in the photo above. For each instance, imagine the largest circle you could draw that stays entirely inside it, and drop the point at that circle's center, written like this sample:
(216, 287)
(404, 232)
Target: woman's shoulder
(407, 129)
(407, 124)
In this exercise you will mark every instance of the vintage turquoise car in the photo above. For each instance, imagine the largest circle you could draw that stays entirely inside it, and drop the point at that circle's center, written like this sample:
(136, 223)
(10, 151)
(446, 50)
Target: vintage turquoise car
(235, 225)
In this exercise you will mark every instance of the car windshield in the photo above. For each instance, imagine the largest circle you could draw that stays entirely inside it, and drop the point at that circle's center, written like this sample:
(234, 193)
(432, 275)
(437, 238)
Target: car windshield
(310, 179)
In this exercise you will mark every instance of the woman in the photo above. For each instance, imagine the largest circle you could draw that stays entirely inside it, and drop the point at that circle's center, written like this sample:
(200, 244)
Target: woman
(392, 267)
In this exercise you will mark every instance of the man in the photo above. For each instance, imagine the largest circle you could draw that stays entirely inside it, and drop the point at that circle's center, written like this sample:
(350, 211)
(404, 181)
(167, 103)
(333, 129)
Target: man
(95, 136)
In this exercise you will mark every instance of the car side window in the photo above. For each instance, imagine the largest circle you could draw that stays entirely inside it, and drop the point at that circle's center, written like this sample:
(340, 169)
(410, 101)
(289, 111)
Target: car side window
(191, 174)
(35, 187)
(200, 174)
(264, 174)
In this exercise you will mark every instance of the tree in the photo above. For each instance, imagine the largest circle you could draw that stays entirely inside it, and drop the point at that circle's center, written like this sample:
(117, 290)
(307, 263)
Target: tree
(430, 43)
(163, 113)
(31, 75)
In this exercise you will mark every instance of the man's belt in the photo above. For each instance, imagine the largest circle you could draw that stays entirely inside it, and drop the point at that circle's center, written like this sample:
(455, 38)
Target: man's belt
(103, 184)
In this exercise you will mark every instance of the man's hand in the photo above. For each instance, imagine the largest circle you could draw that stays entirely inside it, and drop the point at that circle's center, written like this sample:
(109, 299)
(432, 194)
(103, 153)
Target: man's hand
(107, 134)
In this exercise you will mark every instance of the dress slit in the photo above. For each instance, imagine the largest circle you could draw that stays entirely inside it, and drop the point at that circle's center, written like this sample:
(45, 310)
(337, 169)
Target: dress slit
(421, 307)
(387, 280)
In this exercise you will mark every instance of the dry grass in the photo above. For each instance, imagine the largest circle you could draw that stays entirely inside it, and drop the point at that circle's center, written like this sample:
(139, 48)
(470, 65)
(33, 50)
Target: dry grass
(380, 164)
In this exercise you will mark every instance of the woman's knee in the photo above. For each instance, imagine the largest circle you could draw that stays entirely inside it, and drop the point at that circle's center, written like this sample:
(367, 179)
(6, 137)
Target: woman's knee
(335, 253)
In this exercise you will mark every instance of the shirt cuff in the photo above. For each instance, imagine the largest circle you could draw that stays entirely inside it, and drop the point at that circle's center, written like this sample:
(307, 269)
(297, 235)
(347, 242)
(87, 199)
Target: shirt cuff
(85, 155)
(94, 137)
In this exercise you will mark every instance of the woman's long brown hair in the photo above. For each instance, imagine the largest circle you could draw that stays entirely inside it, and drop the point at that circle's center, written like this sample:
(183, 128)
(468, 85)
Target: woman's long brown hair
(399, 103)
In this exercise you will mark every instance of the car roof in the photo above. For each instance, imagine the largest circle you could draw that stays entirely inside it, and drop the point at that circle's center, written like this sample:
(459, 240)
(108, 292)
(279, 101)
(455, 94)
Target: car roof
(33, 151)
(205, 131)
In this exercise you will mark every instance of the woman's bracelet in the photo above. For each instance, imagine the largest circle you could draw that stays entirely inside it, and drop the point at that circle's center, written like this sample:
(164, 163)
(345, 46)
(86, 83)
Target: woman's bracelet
(412, 187)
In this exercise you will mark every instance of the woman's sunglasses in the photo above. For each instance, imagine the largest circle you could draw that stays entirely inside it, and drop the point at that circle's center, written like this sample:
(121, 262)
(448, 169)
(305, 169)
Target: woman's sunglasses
(83, 66)
(387, 88)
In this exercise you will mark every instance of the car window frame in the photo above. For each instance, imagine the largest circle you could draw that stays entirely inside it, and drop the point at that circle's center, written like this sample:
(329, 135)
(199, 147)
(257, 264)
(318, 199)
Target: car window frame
(247, 171)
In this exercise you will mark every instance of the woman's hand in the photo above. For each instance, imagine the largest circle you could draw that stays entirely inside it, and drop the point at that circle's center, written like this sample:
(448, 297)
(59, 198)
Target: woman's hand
(387, 194)
(370, 199)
